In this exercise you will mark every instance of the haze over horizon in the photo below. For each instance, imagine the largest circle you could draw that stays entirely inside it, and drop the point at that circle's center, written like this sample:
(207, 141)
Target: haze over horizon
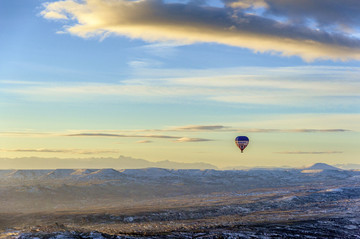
(179, 80)
(123, 162)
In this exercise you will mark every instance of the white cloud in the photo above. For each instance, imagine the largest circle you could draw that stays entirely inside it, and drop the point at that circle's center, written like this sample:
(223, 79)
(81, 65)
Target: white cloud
(239, 23)
(283, 86)
(144, 63)
(186, 140)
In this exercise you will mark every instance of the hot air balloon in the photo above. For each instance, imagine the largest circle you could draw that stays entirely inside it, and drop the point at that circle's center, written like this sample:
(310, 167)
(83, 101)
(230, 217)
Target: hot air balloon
(242, 142)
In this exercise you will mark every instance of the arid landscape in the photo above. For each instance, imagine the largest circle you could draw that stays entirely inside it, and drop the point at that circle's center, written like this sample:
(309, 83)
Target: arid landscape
(179, 119)
(316, 202)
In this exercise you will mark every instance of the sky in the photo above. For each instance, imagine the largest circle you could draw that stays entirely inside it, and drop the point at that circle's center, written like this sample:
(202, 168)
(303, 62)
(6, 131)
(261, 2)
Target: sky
(179, 80)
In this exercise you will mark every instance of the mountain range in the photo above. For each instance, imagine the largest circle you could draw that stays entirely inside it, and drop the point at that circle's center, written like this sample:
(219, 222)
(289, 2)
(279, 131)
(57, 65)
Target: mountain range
(122, 162)
(83, 186)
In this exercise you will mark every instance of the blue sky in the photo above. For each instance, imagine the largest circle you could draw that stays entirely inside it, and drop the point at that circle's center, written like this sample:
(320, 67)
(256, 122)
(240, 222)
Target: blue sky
(148, 79)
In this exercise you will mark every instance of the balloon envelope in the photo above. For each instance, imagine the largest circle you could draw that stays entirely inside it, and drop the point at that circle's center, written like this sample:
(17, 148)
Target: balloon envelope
(242, 142)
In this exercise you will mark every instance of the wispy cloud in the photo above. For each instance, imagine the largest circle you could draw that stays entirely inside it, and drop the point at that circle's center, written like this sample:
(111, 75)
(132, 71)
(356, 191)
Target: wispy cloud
(142, 133)
(292, 130)
(200, 128)
(222, 128)
(17, 82)
(298, 87)
(144, 141)
(185, 139)
(310, 152)
(28, 134)
(144, 63)
(311, 30)
(162, 49)
(177, 138)
(123, 135)
(66, 151)
(318, 130)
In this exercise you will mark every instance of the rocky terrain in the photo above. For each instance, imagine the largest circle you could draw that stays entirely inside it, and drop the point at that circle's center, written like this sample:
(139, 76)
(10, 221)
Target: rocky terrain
(317, 202)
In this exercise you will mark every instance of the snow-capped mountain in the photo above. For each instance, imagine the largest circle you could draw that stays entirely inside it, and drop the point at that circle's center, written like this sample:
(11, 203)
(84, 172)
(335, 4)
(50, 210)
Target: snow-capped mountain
(321, 166)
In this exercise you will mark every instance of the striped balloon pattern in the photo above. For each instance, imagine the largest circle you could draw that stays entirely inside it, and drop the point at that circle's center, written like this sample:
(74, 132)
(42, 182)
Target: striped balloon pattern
(242, 142)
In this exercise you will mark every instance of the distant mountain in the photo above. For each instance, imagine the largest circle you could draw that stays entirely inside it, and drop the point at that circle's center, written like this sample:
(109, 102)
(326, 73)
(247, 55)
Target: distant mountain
(174, 177)
(121, 162)
(321, 166)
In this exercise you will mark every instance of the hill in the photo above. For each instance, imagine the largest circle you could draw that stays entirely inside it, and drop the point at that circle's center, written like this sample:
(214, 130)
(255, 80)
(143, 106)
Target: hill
(321, 166)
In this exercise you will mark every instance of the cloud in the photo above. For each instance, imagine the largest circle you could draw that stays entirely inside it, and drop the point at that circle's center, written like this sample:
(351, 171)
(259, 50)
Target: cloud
(18, 82)
(185, 139)
(141, 133)
(177, 138)
(122, 135)
(293, 130)
(162, 49)
(144, 141)
(321, 30)
(27, 134)
(67, 151)
(322, 14)
(200, 128)
(318, 130)
(144, 63)
(207, 128)
(306, 87)
(310, 152)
